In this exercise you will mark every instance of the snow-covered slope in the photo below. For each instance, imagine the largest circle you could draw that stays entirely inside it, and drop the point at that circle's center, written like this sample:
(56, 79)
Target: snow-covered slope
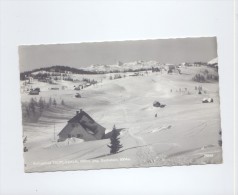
(213, 61)
(184, 132)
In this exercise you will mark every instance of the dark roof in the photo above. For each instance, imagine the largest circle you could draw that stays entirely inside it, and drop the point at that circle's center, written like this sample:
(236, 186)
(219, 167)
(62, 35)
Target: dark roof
(89, 124)
(77, 117)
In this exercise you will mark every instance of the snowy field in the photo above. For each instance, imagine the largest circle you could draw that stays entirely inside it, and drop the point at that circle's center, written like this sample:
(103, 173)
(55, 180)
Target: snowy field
(185, 131)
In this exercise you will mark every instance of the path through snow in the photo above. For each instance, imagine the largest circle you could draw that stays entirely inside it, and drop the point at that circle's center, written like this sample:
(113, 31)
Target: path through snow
(145, 154)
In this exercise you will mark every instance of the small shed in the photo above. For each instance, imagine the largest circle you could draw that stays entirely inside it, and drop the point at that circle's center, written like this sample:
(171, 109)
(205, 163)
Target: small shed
(207, 100)
(156, 104)
(34, 92)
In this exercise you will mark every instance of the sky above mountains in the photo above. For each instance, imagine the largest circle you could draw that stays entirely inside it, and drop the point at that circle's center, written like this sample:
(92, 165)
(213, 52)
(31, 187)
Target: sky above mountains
(80, 55)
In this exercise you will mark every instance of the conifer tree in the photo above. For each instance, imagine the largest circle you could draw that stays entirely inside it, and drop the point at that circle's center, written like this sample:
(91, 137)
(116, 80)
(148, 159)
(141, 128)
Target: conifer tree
(50, 101)
(32, 105)
(115, 141)
(41, 104)
(54, 102)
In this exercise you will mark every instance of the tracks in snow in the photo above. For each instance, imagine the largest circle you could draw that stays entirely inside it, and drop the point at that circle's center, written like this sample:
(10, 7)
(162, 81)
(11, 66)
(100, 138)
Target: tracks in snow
(145, 155)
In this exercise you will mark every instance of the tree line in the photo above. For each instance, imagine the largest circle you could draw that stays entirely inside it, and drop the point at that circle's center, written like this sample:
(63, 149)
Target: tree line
(56, 69)
(36, 107)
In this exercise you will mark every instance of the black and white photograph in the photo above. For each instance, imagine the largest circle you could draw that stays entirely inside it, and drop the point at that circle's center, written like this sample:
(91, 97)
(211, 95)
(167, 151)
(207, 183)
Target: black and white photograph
(118, 97)
(120, 104)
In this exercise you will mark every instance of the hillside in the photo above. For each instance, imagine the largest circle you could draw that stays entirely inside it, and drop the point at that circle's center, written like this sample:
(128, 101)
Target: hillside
(53, 69)
(213, 61)
(185, 131)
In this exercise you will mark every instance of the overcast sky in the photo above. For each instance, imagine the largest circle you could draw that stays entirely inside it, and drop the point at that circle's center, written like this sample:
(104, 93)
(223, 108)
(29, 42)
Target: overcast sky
(85, 54)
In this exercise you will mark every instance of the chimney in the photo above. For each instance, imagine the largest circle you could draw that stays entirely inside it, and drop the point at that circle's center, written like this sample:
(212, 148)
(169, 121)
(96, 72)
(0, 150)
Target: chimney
(81, 110)
(77, 112)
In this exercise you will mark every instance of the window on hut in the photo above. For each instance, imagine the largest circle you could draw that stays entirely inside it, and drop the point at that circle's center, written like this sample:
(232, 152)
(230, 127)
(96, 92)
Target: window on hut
(79, 135)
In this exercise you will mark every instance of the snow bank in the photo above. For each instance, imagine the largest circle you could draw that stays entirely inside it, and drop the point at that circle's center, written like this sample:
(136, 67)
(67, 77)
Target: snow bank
(164, 127)
(69, 141)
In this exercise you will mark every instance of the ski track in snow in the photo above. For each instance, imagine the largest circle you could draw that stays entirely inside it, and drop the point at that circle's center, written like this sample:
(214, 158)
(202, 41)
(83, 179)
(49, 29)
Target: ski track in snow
(145, 155)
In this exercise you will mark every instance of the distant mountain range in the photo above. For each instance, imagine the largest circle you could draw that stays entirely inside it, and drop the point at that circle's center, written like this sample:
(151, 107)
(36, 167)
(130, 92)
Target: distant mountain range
(123, 67)
(96, 68)
(102, 68)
